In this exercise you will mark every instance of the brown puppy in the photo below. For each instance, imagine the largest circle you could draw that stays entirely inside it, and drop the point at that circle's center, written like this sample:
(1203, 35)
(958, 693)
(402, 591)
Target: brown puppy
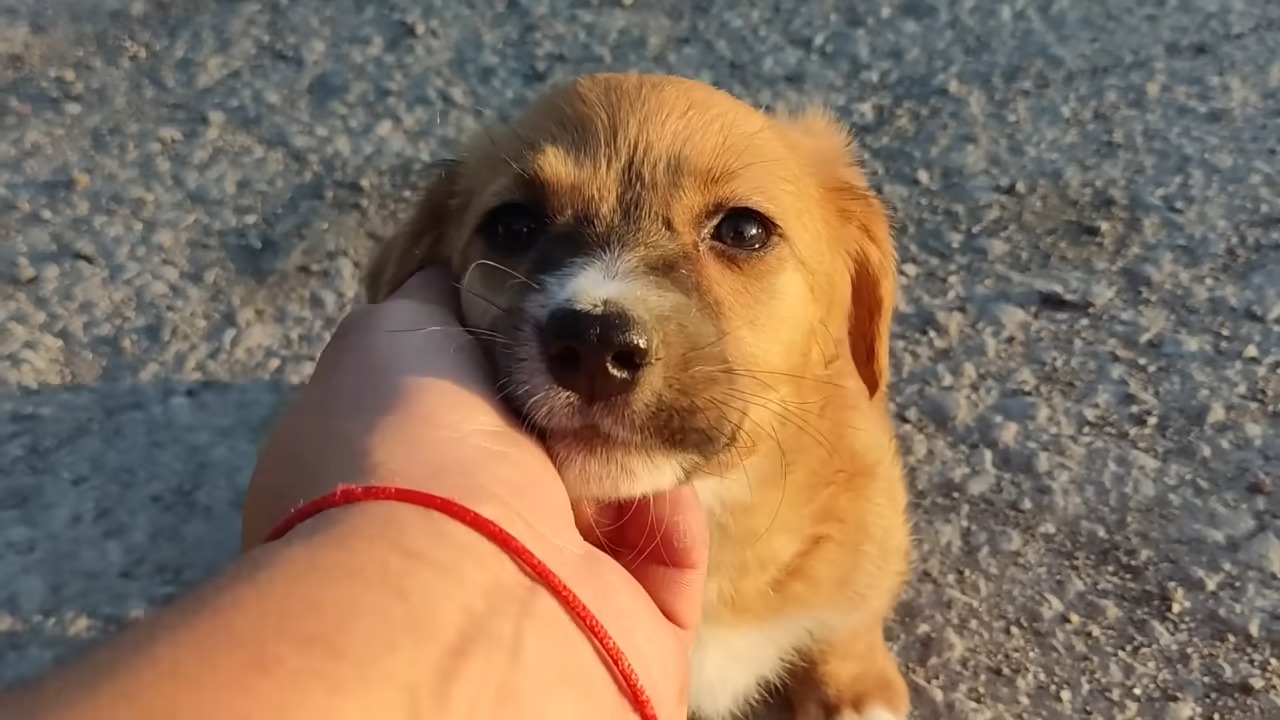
(677, 288)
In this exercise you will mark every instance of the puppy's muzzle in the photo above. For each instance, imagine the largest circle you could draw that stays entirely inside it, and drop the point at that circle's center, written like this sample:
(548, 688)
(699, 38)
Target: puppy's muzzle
(597, 354)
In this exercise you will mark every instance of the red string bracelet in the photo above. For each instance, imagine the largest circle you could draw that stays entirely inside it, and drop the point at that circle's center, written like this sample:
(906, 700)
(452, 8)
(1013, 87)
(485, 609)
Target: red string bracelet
(348, 494)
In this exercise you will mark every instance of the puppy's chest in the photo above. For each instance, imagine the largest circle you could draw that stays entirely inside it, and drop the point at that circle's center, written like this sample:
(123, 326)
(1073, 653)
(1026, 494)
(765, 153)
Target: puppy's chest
(758, 536)
(750, 634)
(731, 663)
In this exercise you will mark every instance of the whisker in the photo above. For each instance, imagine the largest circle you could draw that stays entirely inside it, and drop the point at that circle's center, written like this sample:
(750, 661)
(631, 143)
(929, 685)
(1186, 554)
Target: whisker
(772, 432)
(501, 267)
(482, 298)
(422, 329)
(666, 519)
(740, 430)
(777, 441)
(736, 449)
(506, 387)
(835, 345)
(609, 547)
(488, 132)
(485, 334)
(782, 493)
(746, 372)
(489, 336)
(623, 519)
(782, 409)
(799, 424)
(794, 405)
(641, 550)
(704, 347)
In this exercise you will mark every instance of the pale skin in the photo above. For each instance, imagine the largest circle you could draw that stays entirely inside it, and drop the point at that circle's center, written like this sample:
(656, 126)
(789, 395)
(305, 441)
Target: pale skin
(393, 611)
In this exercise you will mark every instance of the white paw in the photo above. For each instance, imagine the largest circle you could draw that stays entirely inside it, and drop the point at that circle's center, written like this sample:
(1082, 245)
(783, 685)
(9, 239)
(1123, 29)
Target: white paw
(872, 713)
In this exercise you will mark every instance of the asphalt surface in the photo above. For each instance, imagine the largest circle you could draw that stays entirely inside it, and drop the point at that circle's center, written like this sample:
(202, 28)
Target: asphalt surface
(1087, 354)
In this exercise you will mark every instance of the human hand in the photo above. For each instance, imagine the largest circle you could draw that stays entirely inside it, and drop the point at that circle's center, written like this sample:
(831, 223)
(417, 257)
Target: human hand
(402, 396)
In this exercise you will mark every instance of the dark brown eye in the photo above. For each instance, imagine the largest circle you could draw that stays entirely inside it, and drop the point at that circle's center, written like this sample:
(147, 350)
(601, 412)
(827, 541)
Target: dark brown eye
(512, 228)
(742, 229)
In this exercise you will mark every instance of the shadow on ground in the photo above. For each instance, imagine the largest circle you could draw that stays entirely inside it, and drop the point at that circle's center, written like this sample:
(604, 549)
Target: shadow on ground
(115, 499)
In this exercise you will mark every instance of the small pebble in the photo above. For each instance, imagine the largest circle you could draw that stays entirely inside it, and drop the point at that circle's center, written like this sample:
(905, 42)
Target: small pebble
(1263, 552)
(24, 274)
(946, 408)
(980, 484)
(1214, 413)
(169, 135)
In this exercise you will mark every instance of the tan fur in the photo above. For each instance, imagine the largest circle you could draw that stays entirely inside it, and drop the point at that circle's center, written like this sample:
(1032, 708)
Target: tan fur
(807, 505)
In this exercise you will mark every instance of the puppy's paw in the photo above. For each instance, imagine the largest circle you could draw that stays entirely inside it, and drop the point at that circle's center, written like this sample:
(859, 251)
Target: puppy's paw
(855, 677)
(810, 701)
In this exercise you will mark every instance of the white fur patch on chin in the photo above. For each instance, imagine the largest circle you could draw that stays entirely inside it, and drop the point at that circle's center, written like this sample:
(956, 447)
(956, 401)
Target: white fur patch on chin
(617, 473)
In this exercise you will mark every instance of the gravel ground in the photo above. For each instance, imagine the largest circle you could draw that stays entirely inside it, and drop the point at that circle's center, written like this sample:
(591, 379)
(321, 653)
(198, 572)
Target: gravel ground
(1087, 350)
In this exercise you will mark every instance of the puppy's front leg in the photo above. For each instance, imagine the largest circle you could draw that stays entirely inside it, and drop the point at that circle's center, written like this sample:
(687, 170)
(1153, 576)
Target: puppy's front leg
(854, 676)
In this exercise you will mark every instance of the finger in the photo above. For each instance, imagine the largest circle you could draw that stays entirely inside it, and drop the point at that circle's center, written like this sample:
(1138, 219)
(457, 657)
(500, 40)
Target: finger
(422, 311)
(663, 541)
(425, 300)
(414, 333)
(431, 286)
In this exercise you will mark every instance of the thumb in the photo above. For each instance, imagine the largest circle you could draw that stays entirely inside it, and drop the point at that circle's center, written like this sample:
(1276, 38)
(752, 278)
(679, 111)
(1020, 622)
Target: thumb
(430, 286)
(662, 541)
(428, 298)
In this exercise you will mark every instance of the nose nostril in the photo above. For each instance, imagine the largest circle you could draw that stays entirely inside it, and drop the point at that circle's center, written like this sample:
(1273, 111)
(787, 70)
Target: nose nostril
(594, 354)
(628, 361)
(565, 358)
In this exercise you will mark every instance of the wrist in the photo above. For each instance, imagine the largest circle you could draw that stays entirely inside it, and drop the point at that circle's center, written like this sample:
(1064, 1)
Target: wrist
(359, 612)
(491, 641)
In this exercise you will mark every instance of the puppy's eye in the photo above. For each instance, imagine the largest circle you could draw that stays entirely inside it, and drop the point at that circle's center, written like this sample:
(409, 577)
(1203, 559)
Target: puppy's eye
(743, 229)
(512, 228)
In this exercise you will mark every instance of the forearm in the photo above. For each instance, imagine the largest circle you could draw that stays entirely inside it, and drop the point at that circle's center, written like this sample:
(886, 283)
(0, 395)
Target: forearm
(377, 610)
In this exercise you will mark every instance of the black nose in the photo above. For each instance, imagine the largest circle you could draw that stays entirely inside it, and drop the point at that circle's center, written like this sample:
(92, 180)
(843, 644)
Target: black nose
(595, 354)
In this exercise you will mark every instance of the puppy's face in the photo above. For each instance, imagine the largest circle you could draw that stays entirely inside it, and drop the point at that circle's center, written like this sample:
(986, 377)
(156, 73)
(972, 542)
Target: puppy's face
(652, 264)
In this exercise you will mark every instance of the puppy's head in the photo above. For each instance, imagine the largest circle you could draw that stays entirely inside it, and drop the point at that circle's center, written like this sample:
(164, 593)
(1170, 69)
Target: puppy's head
(653, 265)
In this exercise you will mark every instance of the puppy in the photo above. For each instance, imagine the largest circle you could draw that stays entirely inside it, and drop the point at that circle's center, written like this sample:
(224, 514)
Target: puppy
(674, 287)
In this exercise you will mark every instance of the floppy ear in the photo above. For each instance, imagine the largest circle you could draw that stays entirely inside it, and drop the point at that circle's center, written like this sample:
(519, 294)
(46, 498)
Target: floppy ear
(867, 242)
(420, 241)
